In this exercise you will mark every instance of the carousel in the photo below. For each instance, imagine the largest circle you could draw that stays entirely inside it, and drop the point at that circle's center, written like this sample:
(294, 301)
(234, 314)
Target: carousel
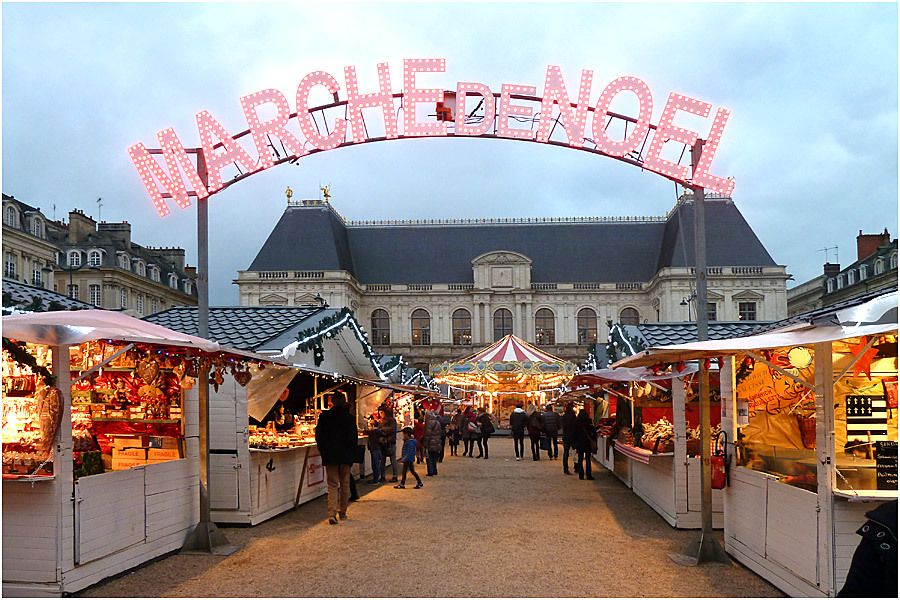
(505, 373)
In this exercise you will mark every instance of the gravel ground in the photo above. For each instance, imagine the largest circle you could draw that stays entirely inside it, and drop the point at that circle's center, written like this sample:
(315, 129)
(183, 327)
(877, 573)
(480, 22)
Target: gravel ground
(480, 528)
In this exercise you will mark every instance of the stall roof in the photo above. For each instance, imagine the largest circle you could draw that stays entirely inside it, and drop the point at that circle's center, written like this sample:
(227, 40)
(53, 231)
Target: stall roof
(23, 294)
(605, 376)
(828, 312)
(878, 315)
(665, 334)
(76, 327)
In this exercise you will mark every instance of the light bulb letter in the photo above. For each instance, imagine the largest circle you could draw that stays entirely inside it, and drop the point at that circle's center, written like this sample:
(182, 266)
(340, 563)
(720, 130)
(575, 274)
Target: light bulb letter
(463, 128)
(507, 109)
(641, 127)
(261, 130)
(213, 135)
(382, 99)
(305, 119)
(573, 118)
(701, 175)
(412, 96)
(666, 131)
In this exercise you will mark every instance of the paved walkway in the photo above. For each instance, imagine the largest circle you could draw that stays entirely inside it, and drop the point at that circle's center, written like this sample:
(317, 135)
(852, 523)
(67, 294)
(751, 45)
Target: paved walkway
(480, 528)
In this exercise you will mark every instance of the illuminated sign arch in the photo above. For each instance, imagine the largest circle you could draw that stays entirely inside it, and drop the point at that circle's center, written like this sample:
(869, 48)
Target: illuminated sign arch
(587, 127)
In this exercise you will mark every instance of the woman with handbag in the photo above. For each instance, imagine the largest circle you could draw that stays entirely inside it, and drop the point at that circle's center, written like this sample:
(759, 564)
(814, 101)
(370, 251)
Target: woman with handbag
(487, 428)
(453, 433)
(466, 430)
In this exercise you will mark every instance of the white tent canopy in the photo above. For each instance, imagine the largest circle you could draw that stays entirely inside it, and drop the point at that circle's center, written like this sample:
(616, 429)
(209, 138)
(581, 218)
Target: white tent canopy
(65, 328)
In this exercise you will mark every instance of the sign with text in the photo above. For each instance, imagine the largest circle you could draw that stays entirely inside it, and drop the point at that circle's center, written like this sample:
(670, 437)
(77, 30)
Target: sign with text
(515, 113)
(886, 465)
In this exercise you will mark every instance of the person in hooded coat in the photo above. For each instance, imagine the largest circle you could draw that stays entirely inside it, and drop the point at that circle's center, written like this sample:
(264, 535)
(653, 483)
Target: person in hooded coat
(584, 430)
(431, 439)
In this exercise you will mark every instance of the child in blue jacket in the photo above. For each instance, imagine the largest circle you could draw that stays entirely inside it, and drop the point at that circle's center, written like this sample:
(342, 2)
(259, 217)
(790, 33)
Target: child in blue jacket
(408, 458)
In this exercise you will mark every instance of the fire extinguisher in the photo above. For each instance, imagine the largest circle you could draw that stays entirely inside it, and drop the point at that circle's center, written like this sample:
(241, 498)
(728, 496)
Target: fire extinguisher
(719, 463)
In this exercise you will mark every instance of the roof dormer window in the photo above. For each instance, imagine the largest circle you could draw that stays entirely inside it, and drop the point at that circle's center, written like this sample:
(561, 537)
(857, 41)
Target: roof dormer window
(37, 227)
(863, 272)
(124, 261)
(830, 285)
(154, 272)
(879, 266)
(894, 260)
(140, 268)
(173, 281)
(187, 286)
(73, 258)
(95, 257)
(11, 216)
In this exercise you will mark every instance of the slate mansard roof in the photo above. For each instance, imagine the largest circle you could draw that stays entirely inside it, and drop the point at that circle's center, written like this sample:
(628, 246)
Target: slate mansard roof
(315, 238)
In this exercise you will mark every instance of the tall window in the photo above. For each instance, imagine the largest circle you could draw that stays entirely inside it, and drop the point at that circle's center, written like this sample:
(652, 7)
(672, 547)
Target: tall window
(154, 306)
(9, 269)
(173, 281)
(381, 327)
(37, 275)
(123, 298)
(462, 327)
(587, 326)
(711, 312)
(851, 276)
(154, 273)
(124, 262)
(840, 281)
(141, 269)
(72, 291)
(894, 260)
(74, 258)
(831, 284)
(94, 291)
(879, 267)
(747, 311)
(629, 316)
(140, 304)
(37, 229)
(94, 258)
(544, 327)
(187, 287)
(11, 217)
(863, 272)
(503, 323)
(421, 327)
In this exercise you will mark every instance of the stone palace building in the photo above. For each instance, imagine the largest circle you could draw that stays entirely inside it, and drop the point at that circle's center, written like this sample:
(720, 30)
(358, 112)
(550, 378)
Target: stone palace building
(438, 290)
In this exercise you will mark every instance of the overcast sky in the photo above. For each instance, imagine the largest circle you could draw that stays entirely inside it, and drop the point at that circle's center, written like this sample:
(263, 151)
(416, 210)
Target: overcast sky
(812, 142)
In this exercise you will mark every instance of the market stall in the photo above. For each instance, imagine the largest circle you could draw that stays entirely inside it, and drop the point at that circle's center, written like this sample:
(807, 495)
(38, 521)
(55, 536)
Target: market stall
(507, 372)
(100, 445)
(263, 455)
(648, 436)
(810, 412)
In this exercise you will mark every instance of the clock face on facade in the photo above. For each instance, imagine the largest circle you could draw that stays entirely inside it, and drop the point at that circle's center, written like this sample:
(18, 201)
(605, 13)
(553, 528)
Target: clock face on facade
(501, 277)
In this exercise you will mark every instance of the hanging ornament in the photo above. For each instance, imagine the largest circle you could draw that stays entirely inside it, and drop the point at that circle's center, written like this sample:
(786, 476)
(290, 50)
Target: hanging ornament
(864, 362)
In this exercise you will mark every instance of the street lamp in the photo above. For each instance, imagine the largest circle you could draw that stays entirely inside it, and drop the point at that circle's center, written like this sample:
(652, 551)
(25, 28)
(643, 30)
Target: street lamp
(686, 301)
(71, 270)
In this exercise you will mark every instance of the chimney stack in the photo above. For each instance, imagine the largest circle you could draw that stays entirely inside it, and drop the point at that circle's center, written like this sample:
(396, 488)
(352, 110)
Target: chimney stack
(867, 244)
(832, 269)
(120, 232)
(80, 226)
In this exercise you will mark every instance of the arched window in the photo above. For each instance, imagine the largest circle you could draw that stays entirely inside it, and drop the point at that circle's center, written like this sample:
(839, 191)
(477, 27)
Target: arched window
(11, 216)
(894, 260)
(381, 327)
(462, 327)
(74, 258)
(544, 327)
(188, 288)
(173, 281)
(37, 227)
(629, 316)
(154, 273)
(831, 284)
(94, 258)
(421, 327)
(125, 262)
(851, 277)
(503, 323)
(141, 268)
(879, 266)
(587, 326)
(863, 272)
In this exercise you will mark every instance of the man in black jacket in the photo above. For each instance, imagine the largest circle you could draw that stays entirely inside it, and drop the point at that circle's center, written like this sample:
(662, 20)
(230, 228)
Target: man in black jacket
(336, 438)
(873, 572)
(568, 431)
(518, 420)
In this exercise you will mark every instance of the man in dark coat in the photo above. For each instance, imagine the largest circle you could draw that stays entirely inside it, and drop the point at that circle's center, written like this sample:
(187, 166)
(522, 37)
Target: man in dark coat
(518, 420)
(568, 430)
(873, 572)
(336, 438)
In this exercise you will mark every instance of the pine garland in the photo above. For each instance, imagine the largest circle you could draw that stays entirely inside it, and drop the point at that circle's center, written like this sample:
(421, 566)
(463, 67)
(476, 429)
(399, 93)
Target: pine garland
(21, 355)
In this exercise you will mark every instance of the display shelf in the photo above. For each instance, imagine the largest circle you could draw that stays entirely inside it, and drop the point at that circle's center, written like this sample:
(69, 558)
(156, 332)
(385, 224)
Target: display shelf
(866, 495)
(640, 454)
(30, 478)
(275, 450)
(157, 421)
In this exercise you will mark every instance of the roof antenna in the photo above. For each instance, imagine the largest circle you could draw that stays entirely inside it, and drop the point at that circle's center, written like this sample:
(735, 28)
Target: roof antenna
(99, 207)
(826, 250)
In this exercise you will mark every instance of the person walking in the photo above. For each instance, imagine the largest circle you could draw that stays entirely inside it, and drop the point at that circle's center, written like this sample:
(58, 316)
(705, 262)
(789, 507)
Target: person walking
(453, 432)
(336, 439)
(408, 458)
(389, 443)
(584, 433)
(374, 443)
(551, 430)
(535, 429)
(466, 430)
(445, 422)
(487, 428)
(518, 420)
(568, 432)
(432, 442)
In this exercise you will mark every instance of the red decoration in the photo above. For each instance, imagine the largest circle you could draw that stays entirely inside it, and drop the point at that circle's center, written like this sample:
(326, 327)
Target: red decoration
(864, 363)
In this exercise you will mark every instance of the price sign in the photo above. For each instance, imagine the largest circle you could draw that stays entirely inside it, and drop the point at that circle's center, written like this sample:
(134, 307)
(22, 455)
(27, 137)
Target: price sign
(886, 465)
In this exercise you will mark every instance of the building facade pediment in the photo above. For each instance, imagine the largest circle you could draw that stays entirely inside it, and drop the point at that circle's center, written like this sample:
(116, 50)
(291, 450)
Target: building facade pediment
(501, 257)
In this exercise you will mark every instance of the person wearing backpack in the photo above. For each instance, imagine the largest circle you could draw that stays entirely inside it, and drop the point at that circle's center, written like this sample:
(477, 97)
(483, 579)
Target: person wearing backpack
(487, 428)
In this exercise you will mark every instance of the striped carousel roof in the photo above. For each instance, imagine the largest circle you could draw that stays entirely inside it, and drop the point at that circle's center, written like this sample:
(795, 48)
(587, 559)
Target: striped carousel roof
(512, 349)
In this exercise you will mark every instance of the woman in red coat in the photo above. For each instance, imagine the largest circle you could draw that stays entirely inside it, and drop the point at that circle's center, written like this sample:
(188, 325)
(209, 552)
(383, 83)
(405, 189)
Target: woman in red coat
(419, 434)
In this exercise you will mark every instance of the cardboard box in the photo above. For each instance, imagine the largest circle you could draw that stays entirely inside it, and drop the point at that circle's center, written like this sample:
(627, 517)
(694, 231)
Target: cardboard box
(160, 454)
(130, 453)
(167, 443)
(119, 464)
(122, 442)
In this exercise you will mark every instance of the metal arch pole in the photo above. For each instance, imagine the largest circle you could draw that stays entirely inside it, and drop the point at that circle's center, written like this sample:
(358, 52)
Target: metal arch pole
(706, 548)
(206, 538)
